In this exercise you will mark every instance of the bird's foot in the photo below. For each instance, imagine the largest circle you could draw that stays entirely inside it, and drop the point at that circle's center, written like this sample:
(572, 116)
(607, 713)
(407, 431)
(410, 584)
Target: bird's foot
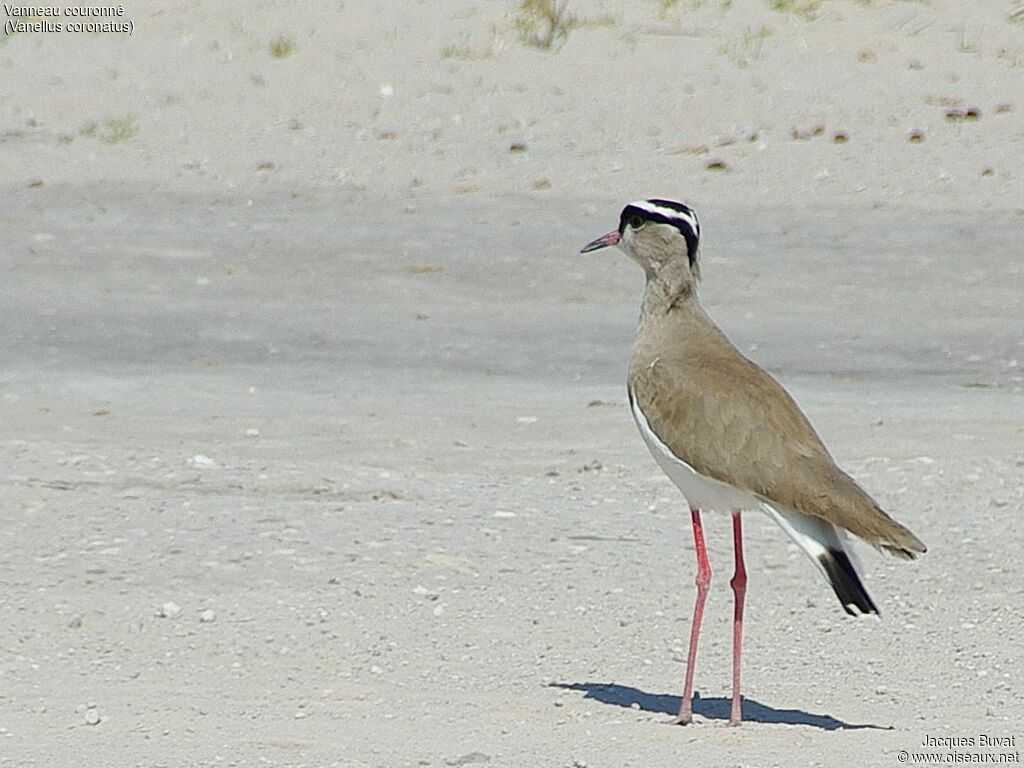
(681, 719)
(735, 722)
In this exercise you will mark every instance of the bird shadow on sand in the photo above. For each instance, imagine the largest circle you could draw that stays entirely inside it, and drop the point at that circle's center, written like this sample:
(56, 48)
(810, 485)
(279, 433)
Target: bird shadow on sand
(713, 708)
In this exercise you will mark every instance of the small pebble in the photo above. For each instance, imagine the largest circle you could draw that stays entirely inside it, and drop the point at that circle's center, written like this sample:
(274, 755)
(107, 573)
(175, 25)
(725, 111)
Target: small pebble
(207, 616)
(169, 610)
(252, 432)
(92, 716)
(472, 757)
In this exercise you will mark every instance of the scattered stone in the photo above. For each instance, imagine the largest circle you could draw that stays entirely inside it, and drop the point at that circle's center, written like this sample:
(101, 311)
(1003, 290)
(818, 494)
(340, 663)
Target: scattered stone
(840, 137)
(75, 622)
(803, 134)
(200, 460)
(169, 610)
(1003, 108)
(542, 184)
(517, 146)
(956, 114)
(430, 594)
(208, 616)
(469, 759)
(251, 432)
(915, 136)
(716, 165)
(92, 716)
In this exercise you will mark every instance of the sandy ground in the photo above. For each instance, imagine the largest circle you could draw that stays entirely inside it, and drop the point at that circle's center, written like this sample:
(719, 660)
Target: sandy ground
(315, 436)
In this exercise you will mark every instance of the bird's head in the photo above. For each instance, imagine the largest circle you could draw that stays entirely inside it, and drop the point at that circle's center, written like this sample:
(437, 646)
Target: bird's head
(656, 234)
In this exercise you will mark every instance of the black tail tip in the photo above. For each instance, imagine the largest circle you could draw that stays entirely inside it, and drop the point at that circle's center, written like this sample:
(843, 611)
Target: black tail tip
(847, 584)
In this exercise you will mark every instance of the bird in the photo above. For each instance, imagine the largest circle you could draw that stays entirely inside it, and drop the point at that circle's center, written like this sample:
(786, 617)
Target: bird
(729, 436)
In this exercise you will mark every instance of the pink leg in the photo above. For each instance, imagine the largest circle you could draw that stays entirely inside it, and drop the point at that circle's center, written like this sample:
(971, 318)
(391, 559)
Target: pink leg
(739, 587)
(703, 580)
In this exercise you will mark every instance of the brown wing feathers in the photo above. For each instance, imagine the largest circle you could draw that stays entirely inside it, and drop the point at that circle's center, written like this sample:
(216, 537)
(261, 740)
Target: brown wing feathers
(729, 420)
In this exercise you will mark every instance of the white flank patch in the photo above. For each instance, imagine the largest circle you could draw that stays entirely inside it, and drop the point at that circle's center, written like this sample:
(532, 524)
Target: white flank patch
(812, 534)
(701, 492)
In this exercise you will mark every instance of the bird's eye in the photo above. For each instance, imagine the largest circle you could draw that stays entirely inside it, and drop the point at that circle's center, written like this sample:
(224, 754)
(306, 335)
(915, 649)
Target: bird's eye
(636, 221)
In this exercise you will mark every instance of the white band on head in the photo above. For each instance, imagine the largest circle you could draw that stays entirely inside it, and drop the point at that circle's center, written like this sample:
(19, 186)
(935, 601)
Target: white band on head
(686, 215)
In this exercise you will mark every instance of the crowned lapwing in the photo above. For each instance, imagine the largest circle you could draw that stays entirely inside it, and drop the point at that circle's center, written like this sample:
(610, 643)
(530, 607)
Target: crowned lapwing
(728, 435)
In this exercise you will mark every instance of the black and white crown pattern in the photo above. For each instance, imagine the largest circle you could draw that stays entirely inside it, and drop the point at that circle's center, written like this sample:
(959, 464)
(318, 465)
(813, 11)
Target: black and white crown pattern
(672, 212)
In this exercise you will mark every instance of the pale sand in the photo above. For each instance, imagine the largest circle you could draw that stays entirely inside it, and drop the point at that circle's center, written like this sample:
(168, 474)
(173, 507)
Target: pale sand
(366, 403)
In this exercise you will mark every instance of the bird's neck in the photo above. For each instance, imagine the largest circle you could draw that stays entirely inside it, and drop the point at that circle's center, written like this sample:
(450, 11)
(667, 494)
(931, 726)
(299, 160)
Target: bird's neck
(669, 289)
